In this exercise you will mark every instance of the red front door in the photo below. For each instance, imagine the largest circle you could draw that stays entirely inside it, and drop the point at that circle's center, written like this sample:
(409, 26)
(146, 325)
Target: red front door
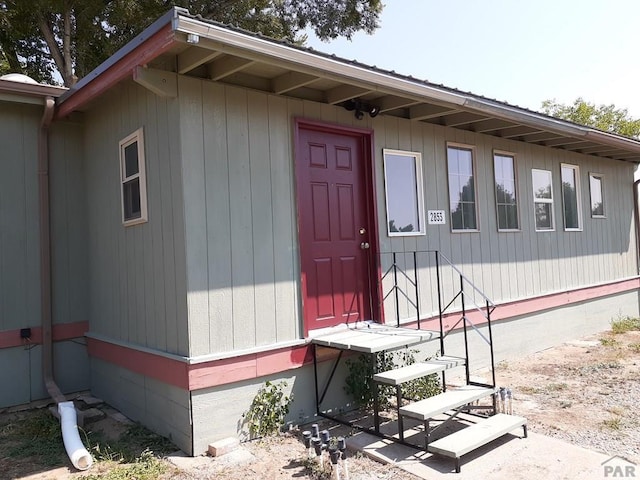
(334, 229)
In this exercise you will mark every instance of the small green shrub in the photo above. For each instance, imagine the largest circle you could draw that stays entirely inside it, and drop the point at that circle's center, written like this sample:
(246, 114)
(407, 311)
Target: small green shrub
(612, 424)
(359, 380)
(609, 342)
(268, 410)
(624, 324)
(634, 347)
(420, 388)
(556, 387)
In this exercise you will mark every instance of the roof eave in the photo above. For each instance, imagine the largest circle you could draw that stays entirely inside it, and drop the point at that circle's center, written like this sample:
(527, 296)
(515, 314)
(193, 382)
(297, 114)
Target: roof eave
(234, 41)
(30, 92)
(176, 24)
(152, 42)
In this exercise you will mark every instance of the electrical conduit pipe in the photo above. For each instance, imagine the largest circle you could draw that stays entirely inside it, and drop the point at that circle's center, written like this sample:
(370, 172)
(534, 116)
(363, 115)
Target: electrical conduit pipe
(78, 454)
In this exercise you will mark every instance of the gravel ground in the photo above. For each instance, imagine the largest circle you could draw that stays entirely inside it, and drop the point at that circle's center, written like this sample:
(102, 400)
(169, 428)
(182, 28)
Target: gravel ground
(584, 392)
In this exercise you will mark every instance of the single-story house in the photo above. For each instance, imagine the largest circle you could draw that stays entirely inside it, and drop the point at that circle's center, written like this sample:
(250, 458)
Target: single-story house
(216, 197)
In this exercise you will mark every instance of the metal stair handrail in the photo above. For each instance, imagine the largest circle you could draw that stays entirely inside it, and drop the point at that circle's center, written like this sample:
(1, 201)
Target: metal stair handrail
(463, 295)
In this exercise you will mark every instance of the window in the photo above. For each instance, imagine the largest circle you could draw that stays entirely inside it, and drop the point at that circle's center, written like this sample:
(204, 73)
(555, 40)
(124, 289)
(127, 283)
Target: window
(542, 199)
(506, 197)
(597, 197)
(403, 188)
(462, 194)
(571, 197)
(133, 179)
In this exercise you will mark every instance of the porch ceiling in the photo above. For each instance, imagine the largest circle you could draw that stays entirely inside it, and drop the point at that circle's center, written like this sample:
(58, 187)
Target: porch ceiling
(247, 68)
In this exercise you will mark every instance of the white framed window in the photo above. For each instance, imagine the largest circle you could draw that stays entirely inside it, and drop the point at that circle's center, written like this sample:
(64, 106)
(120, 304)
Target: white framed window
(571, 198)
(504, 169)
(133, 179)
(403, 193)
(462, 190)
(542, 199)
(596, 189)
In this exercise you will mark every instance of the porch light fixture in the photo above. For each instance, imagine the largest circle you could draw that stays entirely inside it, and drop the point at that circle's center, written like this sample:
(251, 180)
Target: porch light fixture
(193, 38)
(360, 108)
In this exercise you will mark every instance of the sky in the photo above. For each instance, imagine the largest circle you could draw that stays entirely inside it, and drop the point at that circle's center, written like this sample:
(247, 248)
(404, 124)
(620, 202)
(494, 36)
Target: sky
(516, 51)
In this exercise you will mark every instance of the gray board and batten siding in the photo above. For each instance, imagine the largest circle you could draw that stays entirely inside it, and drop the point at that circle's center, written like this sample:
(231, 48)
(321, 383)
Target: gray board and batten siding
(138, 290)
(515, 265)
(220, 248)
(20, 251)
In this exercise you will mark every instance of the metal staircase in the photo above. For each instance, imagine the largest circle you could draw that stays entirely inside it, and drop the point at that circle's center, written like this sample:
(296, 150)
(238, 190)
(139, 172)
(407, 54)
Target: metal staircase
(407, 276)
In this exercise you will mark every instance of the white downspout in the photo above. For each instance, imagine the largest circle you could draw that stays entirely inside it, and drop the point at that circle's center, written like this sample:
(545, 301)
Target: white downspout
(79, 456)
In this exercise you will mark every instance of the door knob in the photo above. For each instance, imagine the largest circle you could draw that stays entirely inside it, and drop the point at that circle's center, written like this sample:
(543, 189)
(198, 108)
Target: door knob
(364, 245)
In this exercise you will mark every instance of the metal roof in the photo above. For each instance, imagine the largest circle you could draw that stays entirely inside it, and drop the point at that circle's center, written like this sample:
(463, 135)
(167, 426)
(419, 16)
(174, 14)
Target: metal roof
(210, 50)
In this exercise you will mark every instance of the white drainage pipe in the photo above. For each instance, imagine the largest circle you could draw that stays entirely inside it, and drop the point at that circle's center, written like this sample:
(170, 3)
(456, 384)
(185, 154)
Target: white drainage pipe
(79, 456)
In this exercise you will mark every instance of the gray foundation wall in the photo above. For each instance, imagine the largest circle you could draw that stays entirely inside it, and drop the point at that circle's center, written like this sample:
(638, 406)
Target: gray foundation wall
(163, 408)
(217, 412)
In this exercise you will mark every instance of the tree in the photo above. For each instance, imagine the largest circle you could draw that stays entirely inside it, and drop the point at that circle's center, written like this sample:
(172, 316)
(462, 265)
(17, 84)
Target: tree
(71, 37)
(603, 117)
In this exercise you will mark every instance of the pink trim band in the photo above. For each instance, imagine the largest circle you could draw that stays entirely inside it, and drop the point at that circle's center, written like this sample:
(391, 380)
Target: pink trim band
(255, 365)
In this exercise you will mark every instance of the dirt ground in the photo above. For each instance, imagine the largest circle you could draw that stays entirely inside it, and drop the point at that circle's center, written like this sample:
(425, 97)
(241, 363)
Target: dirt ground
(584, 392)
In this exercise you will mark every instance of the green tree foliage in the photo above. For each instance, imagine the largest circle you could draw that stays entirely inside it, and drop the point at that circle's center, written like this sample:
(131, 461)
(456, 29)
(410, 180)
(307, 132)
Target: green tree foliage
(603, 117)
(72, 37)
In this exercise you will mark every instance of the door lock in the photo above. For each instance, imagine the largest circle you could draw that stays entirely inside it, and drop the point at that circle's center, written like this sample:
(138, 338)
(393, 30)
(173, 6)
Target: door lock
(364, 245)
(362, 231)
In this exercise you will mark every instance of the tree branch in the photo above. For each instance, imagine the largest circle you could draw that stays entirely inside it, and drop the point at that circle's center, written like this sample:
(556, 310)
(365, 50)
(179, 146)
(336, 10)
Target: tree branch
(66, 48)
(54, 48)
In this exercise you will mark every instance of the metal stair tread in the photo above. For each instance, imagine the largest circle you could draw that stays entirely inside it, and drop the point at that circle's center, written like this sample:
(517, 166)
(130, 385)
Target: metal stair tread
(411, 372)
(374, 338)
(464, 441)
(449, 400)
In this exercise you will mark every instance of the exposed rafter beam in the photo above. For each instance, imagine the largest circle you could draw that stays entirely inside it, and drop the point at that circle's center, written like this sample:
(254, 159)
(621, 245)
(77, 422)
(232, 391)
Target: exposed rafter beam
(427, 111)
(343, 93)
(194, 57)
(491, 125)
(462, 118)
(290, 81)
(540, 137)
(563, 141)
(599, 149)
(578, 146)
(622, 155)
(389, 103)
(518, 131)
(227, 66)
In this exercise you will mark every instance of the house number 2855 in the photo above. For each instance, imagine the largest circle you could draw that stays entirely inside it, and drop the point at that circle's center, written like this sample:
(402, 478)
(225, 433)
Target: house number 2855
(436, 217)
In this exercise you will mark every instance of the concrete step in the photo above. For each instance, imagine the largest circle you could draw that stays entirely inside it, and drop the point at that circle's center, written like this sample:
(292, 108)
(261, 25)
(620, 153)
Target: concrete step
(417, 370)
(449, 400)
(464, 441)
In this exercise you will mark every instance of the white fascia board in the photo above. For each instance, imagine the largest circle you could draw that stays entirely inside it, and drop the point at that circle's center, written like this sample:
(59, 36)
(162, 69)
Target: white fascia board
(527, 118)
(312, 62)
(34, 90)
(613, 140)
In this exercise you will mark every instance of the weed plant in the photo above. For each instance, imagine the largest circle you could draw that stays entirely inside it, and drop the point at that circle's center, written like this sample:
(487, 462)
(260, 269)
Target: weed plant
(624, 324)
